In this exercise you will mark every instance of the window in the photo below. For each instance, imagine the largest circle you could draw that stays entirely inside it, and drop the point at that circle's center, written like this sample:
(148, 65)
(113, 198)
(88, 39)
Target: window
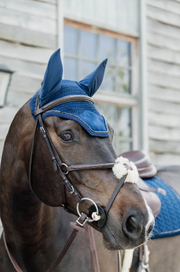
(4, 82)
(84, 49)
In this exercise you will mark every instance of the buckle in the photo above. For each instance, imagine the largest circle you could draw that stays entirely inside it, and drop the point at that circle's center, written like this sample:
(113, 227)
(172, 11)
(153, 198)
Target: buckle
(82, 220)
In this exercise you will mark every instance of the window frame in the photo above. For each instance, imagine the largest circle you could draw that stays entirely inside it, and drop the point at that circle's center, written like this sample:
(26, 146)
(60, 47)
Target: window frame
(119, 99)
(5, 77)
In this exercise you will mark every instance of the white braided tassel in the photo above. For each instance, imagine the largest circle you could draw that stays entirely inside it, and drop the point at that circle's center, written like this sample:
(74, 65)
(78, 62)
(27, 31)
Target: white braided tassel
(122, 167)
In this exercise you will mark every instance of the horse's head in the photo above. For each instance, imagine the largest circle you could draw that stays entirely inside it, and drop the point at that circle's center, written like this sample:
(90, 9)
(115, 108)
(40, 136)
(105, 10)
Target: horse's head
(78, 140)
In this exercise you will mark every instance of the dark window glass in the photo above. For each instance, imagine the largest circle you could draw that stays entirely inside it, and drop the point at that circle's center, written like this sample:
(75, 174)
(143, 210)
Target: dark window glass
(106, 48)
(71, 40)
(86, 68)
(70, 68)
(120, 119)
(88, 45)
(123, 53)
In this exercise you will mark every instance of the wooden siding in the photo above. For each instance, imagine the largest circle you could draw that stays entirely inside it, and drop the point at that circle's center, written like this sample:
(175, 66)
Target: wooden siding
(27, 39)
(117, 15)
(163, 52)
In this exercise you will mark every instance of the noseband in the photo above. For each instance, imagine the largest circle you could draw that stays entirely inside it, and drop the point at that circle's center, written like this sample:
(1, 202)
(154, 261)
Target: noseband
(97, 214)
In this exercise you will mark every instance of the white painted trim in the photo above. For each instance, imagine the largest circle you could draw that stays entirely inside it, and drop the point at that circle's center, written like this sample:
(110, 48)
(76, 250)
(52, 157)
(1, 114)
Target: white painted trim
(134, 127)
(116, 99)
(101, 25)
(60, 27)
(143, 96)
(4, 82)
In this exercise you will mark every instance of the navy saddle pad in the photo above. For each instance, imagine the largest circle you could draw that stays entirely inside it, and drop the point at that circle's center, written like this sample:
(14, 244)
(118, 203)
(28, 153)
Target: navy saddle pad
(167, 223)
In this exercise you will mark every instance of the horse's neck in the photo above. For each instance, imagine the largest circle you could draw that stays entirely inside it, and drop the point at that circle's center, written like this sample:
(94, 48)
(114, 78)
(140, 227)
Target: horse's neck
(32, 229)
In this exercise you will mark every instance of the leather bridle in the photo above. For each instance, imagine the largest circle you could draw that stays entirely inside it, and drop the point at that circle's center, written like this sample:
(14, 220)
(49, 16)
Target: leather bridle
(66, 185)
(61, 167)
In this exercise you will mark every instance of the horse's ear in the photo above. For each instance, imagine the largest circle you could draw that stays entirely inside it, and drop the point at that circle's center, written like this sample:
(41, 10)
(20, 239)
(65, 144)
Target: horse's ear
(53, 76)
(92, 82)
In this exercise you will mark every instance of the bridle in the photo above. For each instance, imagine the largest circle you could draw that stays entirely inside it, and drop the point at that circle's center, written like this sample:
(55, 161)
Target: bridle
(97, 216)
(62, 168)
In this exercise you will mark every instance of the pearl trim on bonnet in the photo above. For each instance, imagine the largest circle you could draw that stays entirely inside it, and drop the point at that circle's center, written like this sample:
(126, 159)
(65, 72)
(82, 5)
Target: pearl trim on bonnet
(122, 167)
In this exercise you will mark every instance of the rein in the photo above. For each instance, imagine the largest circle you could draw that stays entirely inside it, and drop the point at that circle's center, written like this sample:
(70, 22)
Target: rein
(98, 216)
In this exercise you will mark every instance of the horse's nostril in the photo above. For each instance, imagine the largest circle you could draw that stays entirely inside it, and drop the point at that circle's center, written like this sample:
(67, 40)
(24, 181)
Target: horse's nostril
(132, 226)
(131, 223)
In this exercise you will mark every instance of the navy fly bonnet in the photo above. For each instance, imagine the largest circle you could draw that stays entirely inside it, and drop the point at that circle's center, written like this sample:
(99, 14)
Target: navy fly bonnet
(83, 112)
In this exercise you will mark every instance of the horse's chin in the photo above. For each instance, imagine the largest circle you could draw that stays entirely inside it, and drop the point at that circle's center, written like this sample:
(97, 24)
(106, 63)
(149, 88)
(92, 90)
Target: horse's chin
(112, 241)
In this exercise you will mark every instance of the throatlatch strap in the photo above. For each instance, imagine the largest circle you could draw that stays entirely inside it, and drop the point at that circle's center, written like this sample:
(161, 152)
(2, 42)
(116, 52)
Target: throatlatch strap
(31, 157)
(13, 261)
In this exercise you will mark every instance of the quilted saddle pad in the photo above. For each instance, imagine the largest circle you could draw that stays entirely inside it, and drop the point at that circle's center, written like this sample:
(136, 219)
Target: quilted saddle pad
(167, 223)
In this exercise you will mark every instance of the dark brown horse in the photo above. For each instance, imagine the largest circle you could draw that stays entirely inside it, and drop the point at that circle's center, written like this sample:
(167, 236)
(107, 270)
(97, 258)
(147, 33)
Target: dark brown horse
(34, 223)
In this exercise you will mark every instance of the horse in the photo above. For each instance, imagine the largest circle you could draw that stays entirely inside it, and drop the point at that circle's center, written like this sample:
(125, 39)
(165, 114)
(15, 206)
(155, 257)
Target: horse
(164, 252)
(58, 162)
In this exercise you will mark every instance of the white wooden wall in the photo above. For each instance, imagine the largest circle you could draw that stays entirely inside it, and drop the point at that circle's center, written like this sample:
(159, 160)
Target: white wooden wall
(163, 49)
(27, 39)
(117, 15)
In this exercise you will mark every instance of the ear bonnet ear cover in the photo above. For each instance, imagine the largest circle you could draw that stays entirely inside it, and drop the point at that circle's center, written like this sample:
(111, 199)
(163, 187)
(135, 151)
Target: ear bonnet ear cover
(83, 112)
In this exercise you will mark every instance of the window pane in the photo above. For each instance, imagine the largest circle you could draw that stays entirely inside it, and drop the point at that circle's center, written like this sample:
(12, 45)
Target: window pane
(121, 146)
(70, 40)
(123, 53)
(109, 79)
(123, 80)
(70, 68)
(106, 48)
(86, 68)
(88, 45)
(120, 120)
(124, 122)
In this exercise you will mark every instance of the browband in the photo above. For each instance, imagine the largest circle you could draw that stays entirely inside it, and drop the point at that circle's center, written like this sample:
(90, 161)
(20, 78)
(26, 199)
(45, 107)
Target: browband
(62, 100)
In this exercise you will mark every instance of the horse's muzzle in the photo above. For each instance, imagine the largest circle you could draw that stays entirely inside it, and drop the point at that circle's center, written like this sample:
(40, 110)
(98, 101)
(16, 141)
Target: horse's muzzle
(134, 227)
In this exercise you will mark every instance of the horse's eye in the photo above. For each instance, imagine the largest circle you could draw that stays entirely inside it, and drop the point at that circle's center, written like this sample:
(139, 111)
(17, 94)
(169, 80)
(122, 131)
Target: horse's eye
(66, 136)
